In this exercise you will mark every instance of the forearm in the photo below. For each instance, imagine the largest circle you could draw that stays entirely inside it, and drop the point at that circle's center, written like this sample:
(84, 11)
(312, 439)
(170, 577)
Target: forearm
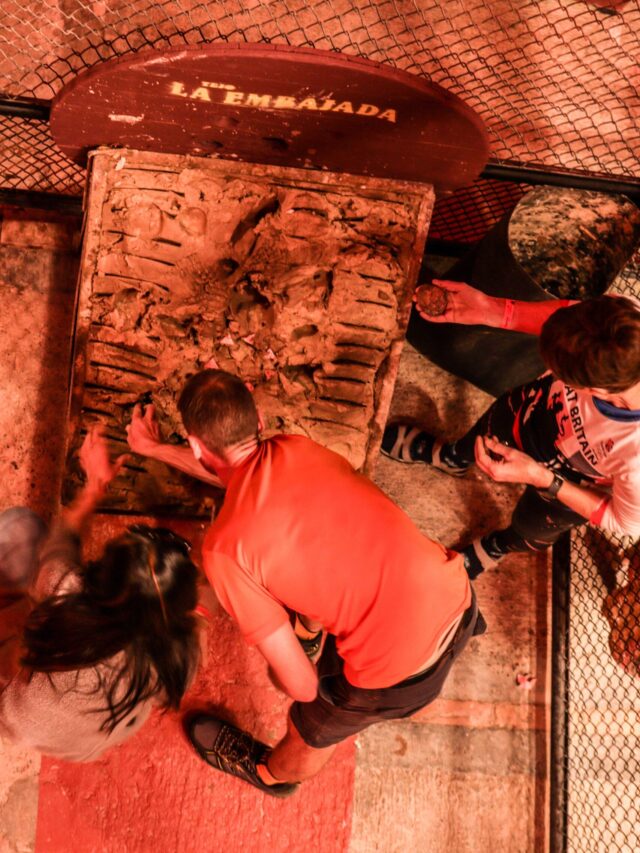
(528, 317)
(300, 685)
(517, 315)
(294, 672)
(584, 500)
(75, 516)
(506, 464)
(183, 459)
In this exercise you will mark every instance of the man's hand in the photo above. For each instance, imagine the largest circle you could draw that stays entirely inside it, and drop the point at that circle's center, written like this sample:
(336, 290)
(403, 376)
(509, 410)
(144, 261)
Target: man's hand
(145, 438)
(143, 433)
(95, 461)
(465, 305)
(505, 464)
(290, 668)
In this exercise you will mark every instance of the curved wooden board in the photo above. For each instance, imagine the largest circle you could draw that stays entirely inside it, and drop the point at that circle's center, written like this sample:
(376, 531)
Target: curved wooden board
(275, 105)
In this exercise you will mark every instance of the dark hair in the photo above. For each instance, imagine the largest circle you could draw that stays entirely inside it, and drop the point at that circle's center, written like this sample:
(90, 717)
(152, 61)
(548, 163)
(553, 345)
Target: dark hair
(594, 344)
(217, 408)
(138, 599)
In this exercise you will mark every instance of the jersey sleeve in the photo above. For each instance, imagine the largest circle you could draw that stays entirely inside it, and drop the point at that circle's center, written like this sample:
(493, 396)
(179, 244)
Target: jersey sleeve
(256, 611)
(620, 513)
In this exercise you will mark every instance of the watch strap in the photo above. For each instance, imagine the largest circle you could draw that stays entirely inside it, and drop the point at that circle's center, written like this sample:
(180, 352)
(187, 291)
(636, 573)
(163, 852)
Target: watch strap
(552, 490)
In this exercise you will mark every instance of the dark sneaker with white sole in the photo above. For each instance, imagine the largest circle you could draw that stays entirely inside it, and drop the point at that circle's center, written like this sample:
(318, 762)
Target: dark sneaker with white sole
(311, 646)
(232, 751)
(476, 559)
(408, 443)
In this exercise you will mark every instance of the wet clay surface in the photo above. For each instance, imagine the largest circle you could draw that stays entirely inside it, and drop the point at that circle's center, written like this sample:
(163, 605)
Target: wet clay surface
(299, 282)
(573, 243)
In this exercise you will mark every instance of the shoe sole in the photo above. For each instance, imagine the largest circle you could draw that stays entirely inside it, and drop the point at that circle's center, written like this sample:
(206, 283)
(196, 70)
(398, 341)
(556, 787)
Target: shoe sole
(188, 724)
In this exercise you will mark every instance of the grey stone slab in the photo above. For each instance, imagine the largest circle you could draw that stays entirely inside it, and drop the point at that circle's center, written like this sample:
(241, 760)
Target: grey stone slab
(447, 790)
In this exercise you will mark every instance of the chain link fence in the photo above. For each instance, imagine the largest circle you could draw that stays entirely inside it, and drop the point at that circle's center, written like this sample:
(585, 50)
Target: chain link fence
(557, 83)
(598, 806)
(31, 160)
(603, 713)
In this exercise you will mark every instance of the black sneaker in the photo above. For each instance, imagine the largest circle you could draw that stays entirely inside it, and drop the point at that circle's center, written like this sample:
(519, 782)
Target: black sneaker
(311, 646)
(410, 444)
(476, 559)
(233, 751)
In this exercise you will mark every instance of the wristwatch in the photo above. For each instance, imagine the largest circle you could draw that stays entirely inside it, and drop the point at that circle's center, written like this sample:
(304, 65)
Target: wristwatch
(551, 492)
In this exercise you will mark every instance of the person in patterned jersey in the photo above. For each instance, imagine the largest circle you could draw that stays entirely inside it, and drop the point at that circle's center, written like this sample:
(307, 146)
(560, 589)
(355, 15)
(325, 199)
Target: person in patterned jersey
(572, 436)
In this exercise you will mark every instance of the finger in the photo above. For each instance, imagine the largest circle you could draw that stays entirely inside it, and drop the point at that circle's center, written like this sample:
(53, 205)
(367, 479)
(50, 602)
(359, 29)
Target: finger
(120, 462)
(440, 318)
(494, 444)
(483, 460)
(91, 436)
(480, 452)
(150, 413)
(445, 284)
(499, 447)
(137, 412)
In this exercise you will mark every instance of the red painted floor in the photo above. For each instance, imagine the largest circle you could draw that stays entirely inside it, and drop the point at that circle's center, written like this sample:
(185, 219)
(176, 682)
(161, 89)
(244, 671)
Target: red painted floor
(154, 794)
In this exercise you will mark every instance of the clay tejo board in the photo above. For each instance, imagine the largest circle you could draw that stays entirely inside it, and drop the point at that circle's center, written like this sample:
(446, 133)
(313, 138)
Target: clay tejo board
(298, 281)
(276, 105)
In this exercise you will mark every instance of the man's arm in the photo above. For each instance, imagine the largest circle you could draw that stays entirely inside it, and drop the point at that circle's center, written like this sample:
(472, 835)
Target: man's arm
(469, 306)
(514, 466)
(143, 435)
(183, 459)
(292, 668)
(264, 622)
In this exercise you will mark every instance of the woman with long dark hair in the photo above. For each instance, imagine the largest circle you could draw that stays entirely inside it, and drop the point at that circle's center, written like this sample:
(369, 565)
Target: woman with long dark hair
(89, 649)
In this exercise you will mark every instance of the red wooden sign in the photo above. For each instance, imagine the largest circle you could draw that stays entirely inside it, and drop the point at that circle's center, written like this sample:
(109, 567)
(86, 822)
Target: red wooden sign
(276, 105)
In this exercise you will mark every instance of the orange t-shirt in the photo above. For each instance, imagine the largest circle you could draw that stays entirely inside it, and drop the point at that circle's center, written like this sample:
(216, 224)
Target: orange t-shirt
(300, 527)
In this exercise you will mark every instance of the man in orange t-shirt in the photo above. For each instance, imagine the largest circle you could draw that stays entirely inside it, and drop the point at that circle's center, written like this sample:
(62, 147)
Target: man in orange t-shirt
(302, 544)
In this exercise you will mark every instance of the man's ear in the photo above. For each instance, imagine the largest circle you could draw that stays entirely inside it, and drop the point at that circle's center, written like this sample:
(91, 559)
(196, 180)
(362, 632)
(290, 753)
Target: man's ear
(260, 420)
(196, 447)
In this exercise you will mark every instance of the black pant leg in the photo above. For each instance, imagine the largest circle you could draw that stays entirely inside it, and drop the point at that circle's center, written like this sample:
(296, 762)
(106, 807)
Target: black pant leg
(535, 525)
(498, 421)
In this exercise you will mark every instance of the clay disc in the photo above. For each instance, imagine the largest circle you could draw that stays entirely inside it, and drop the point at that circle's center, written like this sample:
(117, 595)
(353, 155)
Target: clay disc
(275, 105)
(432, 300)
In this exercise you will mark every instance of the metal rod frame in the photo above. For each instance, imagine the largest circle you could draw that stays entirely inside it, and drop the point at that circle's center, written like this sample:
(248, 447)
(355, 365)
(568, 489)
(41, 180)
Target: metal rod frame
(30, 108)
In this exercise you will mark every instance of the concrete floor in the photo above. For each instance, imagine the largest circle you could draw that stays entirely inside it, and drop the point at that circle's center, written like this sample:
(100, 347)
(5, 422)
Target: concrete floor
(467, 774)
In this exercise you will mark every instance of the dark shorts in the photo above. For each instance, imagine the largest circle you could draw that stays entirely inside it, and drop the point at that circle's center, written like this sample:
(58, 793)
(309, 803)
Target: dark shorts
(341, 710)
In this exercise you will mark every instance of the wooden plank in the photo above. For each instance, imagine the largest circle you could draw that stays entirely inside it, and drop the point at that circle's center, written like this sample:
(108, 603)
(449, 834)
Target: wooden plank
(276, 105)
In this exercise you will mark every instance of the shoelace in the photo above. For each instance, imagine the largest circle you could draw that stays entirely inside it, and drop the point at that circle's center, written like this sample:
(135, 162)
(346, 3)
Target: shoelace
(233, 747)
